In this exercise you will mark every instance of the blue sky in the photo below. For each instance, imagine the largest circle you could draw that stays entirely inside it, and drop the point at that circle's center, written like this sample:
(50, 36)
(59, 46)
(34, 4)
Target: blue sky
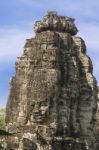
(16, 24)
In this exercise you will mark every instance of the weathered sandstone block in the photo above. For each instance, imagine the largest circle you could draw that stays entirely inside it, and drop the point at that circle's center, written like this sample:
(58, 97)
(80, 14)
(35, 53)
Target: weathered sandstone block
(53, 95)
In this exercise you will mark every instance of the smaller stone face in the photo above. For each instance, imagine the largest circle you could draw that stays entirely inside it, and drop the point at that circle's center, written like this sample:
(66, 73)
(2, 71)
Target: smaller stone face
(53, 22)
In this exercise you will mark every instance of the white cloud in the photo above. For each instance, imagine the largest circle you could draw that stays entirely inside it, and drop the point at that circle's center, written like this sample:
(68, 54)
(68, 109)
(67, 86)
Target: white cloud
(90, 33)
(76, 8)
(12, 41)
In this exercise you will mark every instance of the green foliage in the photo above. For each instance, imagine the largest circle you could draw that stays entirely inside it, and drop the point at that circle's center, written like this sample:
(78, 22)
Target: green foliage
(2, 118)
(2, 110)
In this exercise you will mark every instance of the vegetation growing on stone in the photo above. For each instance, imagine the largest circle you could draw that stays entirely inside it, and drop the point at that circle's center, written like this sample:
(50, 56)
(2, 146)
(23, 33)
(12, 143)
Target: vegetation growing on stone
(2, 118)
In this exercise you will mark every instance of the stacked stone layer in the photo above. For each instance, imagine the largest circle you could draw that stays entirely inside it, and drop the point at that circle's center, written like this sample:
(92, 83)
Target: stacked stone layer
(54, 91)
(53, 22)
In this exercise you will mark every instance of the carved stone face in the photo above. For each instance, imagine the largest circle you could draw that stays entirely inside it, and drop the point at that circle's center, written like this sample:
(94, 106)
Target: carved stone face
(39, 111)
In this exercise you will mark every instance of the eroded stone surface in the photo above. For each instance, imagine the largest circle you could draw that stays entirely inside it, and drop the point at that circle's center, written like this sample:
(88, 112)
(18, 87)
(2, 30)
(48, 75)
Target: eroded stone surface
(53, 22)
(53, 95)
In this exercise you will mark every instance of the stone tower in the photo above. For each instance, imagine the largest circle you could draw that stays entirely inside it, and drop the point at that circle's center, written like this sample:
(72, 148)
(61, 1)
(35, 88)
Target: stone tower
(53, 95)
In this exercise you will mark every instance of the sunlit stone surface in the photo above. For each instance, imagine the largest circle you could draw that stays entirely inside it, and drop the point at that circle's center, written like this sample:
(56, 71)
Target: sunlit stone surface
(53, 95)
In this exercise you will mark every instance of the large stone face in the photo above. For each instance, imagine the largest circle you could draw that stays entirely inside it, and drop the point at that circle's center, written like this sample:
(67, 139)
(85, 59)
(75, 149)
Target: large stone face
(53, 95)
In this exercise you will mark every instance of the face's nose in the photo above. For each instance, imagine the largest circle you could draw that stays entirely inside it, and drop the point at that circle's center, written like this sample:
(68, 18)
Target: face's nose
(36, 108)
